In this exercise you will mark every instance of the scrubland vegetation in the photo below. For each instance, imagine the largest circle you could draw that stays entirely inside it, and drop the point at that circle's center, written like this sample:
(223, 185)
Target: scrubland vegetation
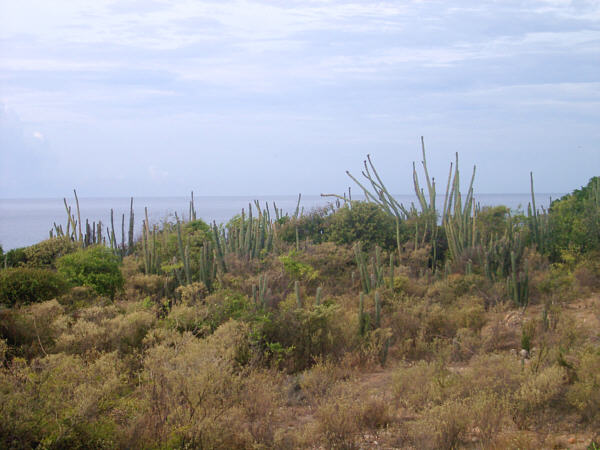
(365, 324)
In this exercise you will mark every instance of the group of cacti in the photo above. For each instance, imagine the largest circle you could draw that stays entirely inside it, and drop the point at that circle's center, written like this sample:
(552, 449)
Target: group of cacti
(92, 234)
(371, 275)
(500, 256)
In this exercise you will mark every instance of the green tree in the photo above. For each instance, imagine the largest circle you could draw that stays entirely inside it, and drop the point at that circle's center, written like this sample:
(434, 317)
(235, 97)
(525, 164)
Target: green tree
(575, 223)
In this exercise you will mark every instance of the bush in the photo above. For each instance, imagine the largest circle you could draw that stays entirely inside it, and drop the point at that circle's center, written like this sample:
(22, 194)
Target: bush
(96, 267)
(584, 394)
(30, 330)
(537, 393)
(62, 401)
(15, 257)
(25, 285)
(311, 226)
(45, 253)
(365, 222)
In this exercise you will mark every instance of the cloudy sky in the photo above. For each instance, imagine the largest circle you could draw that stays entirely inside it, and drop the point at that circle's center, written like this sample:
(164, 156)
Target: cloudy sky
(141, 97)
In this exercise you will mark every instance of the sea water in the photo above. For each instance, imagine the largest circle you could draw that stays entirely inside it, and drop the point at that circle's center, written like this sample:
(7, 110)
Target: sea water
(24, 222)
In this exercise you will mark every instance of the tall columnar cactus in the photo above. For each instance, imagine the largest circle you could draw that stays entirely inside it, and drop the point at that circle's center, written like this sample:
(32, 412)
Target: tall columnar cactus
(391, 271)
(219, 248)
(207, 265)
(361, 263)
(262, 291)
(459, 220)
(518, 282)
(363, 318)
(377, 310)
(318, 296)
(297, 292)
(184, 254)
(130, 242)
(538, 223)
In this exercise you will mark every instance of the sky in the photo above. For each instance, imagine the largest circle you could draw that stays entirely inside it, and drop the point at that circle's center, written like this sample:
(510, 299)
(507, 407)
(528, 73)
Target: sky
(157, 98)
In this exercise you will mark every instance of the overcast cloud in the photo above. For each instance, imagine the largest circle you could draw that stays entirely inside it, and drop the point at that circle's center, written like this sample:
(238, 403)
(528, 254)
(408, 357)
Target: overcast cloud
(120, 98)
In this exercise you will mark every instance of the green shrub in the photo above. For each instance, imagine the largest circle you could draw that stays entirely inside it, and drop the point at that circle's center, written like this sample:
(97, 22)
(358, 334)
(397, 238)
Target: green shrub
(45, 253)
(296, 269)
(492, 221)
(15, 257)
(96, 267)
(296, 338)
(311, 226)
(365, 222)
(23, 285)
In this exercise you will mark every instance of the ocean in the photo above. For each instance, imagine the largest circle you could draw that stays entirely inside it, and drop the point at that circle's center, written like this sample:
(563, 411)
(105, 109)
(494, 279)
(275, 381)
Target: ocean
(24, 222)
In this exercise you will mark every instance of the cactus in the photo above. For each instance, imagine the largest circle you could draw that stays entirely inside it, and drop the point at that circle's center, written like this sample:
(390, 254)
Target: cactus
(207, 267)
(318, 296)
(361, 263)
(297, 291)
(80, 236)
(363, 318)
(184, 255)
(458, 221)
(219, 248)
(131, 226)
(377, 310)
(518, 282)
(262, 290)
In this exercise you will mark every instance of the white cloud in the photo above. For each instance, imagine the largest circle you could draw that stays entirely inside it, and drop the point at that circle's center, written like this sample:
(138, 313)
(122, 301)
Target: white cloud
(39, 136)
(157, 174)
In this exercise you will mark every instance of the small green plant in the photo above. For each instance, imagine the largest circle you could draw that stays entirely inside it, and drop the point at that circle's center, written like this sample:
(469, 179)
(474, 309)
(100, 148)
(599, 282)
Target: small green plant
(296, 269)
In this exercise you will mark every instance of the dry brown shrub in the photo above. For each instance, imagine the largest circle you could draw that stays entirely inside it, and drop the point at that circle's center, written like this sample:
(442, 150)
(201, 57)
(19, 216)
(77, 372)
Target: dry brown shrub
(499, 335)
(82, 337)
(30, 329)
(584, 394)
(104, 333)
(441, 427)
(470, 313)
(448, 290)
(422, 385)
(191, 293)
(260, 401)
(489, 412)
(3, 351)
(587, 274)
(127, 331)
(374, 413)
(465, 344)
(415, 261)
(537, 392)
(79, 296)
(317, 382)
(338, 423)
(497, 374)
(334, 263)
(187, 318)
(61, 400)
(190, 390)
(97, 314)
